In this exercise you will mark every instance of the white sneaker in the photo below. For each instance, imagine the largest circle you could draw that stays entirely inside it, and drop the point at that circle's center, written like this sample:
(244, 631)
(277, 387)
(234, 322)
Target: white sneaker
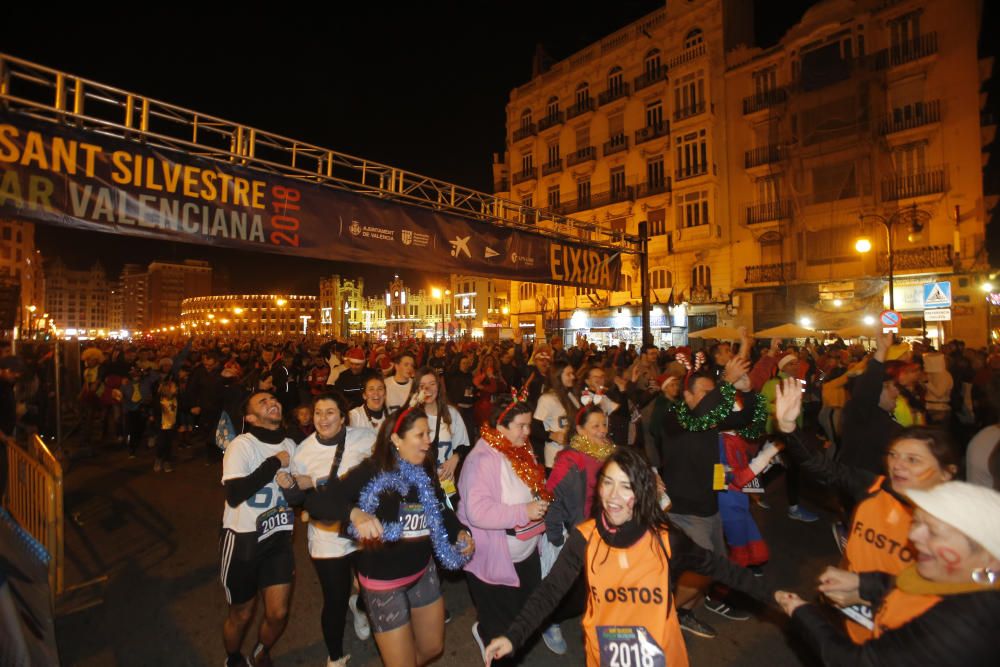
(361, 627)
(479, 640)
(339, 662)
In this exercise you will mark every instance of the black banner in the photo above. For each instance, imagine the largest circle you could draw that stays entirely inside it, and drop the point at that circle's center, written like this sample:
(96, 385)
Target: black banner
(55, 174)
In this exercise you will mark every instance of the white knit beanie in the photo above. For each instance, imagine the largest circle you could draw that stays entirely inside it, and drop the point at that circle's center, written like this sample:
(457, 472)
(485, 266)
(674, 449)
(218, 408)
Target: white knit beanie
(972, 509)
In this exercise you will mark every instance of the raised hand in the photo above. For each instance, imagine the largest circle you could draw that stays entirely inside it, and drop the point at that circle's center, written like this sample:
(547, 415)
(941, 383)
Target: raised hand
(736, 368)
(787, 404)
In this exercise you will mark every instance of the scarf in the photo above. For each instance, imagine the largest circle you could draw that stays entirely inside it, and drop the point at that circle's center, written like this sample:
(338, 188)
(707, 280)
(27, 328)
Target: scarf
(619, 537)
(596, 450)
(338, 441)
(271, 436)
(910, 581)
(521, 459)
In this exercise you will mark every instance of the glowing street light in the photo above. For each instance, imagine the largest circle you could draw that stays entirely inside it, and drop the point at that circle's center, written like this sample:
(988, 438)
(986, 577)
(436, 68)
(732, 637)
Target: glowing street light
(237, 310)
(869, 320)
(837, 303)
(281, 302)
(863, 245)
(806, 322)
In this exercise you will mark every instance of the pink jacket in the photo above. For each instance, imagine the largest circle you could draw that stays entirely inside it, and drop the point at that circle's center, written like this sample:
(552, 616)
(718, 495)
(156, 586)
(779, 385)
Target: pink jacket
(481, 510)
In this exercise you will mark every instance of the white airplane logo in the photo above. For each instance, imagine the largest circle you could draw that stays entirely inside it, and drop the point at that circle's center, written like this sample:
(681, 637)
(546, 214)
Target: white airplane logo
(460, 245)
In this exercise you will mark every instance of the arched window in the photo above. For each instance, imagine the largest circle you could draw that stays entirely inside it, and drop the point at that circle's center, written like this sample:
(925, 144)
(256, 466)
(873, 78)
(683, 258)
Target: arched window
(616, 80)
(627, 282)
(651, 63)
(701, 277)
(525, 119)
(582, 93)
(693, 38)
(552, 107)
(660, 279)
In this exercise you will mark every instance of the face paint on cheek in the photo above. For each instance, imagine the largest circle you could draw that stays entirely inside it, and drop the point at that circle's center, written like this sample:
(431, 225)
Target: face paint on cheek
(630, 503)
(926, 475)
(950, 557)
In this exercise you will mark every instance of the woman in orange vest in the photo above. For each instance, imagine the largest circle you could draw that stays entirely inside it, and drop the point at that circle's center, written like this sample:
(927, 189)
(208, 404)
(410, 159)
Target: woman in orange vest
(942, 610)
(628, 554)
(918, 458)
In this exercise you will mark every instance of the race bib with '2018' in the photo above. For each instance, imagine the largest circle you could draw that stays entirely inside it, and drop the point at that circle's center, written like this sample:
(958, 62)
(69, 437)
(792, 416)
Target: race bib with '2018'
(628, 646)
(274, 521)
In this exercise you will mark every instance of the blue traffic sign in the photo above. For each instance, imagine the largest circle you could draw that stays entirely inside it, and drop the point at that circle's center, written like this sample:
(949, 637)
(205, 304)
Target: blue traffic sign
(937, 295)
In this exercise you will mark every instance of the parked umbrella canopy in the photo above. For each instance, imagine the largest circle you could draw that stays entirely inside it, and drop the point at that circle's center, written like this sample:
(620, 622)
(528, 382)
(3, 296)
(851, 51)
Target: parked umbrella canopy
(717, 333)
(870, 331)
(787, 331)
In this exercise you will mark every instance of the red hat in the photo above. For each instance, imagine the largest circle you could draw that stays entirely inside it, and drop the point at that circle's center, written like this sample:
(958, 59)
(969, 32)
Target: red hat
(384, 362)
(355, 355)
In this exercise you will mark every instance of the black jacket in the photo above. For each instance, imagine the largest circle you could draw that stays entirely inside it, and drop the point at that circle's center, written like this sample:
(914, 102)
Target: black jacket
(868, 429)
(959, 630)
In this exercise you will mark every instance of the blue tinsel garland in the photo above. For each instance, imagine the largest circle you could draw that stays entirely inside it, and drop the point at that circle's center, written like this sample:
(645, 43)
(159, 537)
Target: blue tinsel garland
(401, 481)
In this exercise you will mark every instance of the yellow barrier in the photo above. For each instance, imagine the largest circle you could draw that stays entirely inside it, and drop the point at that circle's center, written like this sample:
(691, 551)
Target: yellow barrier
(35, 499)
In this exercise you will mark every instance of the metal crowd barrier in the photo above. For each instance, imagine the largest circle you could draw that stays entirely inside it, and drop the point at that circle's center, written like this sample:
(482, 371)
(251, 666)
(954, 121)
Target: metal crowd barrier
(35, 499)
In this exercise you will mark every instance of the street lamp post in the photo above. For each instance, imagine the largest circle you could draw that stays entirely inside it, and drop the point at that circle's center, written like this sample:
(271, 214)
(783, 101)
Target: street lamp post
(864, 244)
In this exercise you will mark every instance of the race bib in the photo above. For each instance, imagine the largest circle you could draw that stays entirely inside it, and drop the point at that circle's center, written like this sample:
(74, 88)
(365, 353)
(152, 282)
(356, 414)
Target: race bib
(273, 521)
(414, 521)
(719, 477)
(860, 614)
(628, 646)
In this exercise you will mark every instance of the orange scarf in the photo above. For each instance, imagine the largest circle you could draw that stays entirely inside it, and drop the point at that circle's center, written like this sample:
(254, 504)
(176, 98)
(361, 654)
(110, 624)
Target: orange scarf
(521, 459)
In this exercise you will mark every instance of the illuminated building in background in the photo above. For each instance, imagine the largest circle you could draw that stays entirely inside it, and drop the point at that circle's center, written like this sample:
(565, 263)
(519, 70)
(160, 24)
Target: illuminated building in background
(250, 314)
(21, 270)
(77, 299)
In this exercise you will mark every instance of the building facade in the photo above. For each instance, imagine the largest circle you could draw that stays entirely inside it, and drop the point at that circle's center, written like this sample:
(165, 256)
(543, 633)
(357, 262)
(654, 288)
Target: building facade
(77, 300)
(168, 284)
(249, 315)
(22, 273)
(864, 121)
(756, 171)
(629, 130)
(481, 307)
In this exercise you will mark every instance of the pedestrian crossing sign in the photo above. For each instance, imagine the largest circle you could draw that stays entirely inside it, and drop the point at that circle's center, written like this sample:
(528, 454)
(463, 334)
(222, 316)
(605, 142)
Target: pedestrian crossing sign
(937, 295)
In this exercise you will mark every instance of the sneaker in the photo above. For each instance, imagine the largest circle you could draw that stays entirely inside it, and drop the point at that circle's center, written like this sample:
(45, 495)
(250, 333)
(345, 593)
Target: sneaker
(840, 535)
(339, 662)
(361, 627)
(479, 640)
(756, 570)
(237, 662)
(553, 638)
(447, 616)
(261, 658)
(157, 465)
(723, 609)
(800, 513)
(168, 467)
(761, 503)
(131, 455)
(690, 623)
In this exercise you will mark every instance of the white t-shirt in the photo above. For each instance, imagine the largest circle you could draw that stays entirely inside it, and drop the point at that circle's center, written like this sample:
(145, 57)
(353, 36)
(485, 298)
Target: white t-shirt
(245, 454)
(449, 438)
(396, 393)
(977, 457)
(515, 492)
(314, 459)
(358, 418)
(552, 414)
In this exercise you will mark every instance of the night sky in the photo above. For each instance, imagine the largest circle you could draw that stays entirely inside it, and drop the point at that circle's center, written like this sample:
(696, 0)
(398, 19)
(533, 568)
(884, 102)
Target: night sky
(422, 86)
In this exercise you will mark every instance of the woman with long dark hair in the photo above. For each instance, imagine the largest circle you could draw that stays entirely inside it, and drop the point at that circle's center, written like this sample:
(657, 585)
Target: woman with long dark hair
(449, 438)
(627, 553)
(394, 504)
(556, 408)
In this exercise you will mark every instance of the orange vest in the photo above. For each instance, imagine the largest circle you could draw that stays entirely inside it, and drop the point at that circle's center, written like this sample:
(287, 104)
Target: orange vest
(900, 608)
(879, 540)
(630, 617)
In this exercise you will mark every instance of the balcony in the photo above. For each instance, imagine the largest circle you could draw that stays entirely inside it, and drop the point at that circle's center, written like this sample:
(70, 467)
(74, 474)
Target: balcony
(612, 94)
(770, 273)
(580, 108)
(690, 171)
(768, 211)
(655, 188)
(700, 294)
(550, 120)
(646, 79)
(552, 167)
(907, 52)
(687, 55)
(762, 155)
(581, 156)
(650, 132)
(764, 100)
(616, 144)
(613, 196)
(904, 186)
(910, 116)
(689, 111)
(525, 175)
(525, 131)
(916, 259)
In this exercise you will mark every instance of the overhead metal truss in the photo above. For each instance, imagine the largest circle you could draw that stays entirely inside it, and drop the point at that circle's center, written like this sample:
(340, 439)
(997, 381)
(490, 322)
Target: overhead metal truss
(58, 97)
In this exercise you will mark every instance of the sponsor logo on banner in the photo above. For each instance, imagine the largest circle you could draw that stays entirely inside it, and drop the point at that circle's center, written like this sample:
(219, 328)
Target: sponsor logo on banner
(355, 228)
(460, 245)
(522, 260)
(571, 263)
(406, 236)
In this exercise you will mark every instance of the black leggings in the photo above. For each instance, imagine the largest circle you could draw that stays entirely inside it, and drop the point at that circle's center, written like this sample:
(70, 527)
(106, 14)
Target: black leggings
(498, 605)
(335, 581)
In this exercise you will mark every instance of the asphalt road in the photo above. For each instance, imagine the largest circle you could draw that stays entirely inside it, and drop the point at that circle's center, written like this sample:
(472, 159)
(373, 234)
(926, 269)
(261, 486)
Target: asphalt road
(155, 536)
